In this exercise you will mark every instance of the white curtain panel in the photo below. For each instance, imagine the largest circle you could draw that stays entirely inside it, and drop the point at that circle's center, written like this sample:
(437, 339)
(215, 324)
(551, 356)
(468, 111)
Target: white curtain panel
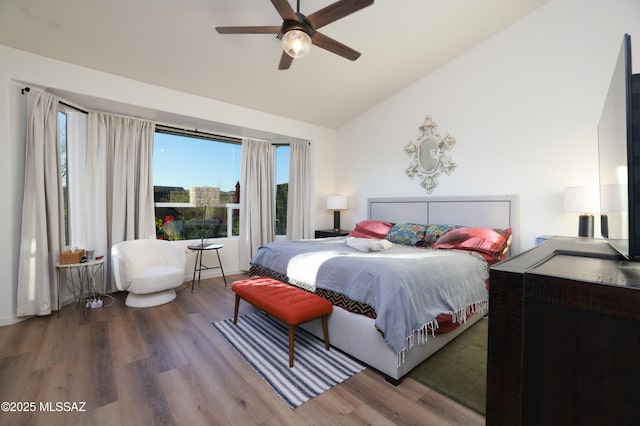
(118, 183)
(257, 198)
(299, 194)
(41, 236)
(89, 213)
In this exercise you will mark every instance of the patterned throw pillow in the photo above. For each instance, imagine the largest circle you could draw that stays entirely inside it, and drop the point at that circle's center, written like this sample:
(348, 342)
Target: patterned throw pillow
(435, 231)
(407, 234)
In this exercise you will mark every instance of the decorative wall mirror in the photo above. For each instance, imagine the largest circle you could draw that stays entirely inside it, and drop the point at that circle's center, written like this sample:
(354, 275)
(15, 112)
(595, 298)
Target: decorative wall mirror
(429, 155)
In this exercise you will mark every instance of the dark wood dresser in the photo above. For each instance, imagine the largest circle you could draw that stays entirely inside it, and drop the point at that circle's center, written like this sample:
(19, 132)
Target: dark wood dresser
(564, 337)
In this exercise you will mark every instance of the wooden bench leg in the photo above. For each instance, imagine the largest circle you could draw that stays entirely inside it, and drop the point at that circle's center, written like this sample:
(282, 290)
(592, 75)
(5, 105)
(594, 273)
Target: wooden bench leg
(292, 335)
(325, 330)
(235, 311)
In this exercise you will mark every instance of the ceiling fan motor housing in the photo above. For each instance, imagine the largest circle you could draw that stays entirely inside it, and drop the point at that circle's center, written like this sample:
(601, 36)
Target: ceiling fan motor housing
(301, 25)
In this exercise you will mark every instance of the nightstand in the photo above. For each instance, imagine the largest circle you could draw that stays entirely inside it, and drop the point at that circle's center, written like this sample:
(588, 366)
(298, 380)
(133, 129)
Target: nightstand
(324, 233)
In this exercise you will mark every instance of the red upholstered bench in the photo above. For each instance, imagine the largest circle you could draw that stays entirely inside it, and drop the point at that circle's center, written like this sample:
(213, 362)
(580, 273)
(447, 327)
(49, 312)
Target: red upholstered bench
(289, 304)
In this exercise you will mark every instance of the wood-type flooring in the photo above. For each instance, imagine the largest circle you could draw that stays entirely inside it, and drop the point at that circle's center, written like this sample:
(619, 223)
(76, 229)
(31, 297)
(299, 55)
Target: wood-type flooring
(167, 365)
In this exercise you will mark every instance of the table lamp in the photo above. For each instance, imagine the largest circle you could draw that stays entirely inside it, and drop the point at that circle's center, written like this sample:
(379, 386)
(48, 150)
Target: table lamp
(336, 203)
(582, 199)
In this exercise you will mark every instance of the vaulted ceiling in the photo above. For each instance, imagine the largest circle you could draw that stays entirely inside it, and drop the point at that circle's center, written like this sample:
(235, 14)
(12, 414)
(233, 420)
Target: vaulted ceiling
(173, 44)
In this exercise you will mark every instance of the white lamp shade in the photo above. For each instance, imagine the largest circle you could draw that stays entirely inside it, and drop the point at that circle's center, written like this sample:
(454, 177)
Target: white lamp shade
(581, 199)
(337, 202)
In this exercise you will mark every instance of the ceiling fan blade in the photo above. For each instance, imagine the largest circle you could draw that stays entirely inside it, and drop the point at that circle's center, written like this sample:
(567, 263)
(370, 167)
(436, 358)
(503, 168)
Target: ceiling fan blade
(334, 46)
(285, 10)
(248, 30)
(335, 11)
(285, 61)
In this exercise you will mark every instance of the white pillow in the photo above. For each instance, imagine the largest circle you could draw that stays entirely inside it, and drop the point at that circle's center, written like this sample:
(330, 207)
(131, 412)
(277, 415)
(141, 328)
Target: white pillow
(368, 244)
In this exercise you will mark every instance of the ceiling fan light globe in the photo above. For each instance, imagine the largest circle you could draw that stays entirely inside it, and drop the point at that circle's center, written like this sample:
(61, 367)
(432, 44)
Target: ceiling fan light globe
(296, 43)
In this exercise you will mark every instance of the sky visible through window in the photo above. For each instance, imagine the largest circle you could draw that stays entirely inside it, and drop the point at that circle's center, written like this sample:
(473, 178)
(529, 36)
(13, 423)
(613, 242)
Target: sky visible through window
(186, 162)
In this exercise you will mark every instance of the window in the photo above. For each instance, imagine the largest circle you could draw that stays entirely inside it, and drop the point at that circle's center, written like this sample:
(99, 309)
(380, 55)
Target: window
(62, 126)
(196, 181)
(282, 187)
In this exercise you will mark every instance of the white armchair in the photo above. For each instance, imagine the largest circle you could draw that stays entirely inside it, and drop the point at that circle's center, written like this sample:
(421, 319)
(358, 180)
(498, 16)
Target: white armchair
(149, 270)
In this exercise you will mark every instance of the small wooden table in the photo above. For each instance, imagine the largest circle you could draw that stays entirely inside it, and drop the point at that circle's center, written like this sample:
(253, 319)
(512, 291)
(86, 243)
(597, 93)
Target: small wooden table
(198, 266)
(79, 276)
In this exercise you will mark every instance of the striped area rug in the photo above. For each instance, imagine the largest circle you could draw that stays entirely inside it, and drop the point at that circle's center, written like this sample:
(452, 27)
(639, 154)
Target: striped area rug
(264, 343)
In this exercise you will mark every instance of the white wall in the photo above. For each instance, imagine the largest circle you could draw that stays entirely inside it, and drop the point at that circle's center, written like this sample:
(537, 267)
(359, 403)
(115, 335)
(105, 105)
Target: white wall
(126, 96)
(524, 108)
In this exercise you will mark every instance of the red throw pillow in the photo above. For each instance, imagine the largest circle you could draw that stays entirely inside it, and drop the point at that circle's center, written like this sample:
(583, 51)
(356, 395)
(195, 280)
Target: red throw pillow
(371, 229)
(494, 242)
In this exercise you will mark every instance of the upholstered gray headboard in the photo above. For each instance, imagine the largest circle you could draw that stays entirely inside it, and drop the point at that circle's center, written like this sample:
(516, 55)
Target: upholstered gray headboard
(491, 211)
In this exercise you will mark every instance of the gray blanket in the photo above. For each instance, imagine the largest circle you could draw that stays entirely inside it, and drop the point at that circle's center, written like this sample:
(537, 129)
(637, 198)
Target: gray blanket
(407, 286)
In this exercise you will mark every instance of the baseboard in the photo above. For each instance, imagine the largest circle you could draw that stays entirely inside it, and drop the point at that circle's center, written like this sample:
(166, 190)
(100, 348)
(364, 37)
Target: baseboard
(11, 320)
(211, 274)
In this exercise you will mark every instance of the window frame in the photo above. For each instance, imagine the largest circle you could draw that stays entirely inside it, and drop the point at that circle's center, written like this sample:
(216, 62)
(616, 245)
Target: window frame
(64, 175)
(200, 222)
(232, 209)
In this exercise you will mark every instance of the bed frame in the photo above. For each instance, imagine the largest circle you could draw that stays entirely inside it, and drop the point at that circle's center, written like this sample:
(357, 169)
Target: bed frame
(356, 335)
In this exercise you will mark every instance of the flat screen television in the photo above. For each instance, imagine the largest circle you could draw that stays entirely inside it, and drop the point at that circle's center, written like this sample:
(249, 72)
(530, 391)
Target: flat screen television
(619, 158)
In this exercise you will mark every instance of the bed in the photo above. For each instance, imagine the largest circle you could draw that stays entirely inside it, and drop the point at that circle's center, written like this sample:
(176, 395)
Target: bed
(381, 318)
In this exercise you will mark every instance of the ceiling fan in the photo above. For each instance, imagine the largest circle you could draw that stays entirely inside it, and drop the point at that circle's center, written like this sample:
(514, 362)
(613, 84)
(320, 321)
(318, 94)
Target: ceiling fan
(298, 31)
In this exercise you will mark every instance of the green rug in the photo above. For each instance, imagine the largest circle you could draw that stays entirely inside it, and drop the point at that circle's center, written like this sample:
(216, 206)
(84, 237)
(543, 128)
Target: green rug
(459, 370)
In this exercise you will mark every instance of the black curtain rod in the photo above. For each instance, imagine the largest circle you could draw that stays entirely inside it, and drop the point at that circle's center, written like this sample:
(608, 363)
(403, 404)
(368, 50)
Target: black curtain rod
(73, 107)
(164, 128)
(179, 131)
(27, 89)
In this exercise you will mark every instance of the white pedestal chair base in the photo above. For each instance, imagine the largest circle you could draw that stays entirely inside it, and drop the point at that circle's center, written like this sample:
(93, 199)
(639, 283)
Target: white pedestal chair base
(150, 299)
